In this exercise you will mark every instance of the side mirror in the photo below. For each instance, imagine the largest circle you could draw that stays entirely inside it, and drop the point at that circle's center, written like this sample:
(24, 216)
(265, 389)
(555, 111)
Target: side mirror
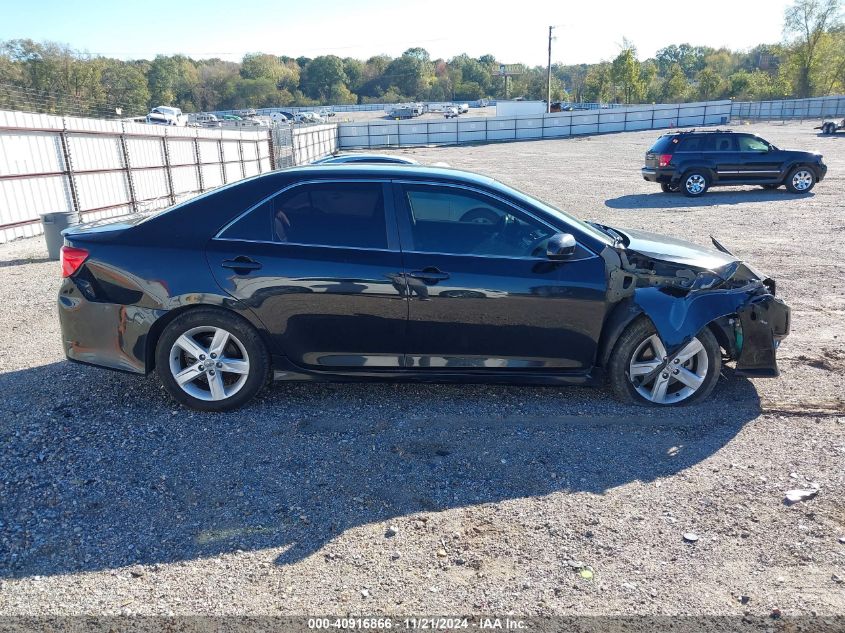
(560, 246)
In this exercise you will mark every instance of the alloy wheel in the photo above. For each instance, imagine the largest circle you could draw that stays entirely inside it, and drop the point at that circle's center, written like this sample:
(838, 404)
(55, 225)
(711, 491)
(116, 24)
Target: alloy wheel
(802, 180)
(209, 363)
(679, 380)
(695, 184)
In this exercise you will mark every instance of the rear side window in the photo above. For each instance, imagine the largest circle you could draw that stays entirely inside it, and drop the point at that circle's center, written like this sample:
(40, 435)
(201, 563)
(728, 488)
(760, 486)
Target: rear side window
(332, 214)
(663, 145)
(691, 144)
(255, 226)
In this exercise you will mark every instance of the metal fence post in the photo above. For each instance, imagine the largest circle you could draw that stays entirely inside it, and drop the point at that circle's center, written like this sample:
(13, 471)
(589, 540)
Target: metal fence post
(74, 197)
(168, 172)
(293, 151)
(130, 181)
(197, 157)
(241, 155)
(220, 155)
(271, 148)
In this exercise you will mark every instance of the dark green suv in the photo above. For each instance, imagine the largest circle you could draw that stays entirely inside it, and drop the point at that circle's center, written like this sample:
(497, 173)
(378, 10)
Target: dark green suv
(694, 161)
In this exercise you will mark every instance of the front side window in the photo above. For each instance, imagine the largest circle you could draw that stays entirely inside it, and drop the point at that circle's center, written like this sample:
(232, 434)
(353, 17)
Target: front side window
(345, 214)
(752, 144)
(459, 222)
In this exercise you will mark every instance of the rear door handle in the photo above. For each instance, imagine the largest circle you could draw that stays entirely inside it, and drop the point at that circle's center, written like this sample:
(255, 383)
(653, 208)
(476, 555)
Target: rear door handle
(429, 274)
(241, 263)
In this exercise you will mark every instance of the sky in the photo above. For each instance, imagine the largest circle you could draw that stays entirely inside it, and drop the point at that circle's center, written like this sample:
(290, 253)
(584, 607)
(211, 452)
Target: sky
(586, 32)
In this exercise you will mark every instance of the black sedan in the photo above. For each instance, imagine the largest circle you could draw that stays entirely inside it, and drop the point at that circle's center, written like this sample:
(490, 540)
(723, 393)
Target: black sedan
(406, 273)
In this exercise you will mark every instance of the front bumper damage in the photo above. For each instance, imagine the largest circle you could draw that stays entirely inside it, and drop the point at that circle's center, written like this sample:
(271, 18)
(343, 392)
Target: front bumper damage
(738, 303)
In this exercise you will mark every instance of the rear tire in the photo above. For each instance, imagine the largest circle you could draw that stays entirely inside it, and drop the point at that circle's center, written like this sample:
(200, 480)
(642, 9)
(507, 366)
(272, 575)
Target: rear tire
(801, 180)
(212, 360)
(639, 349)
(695, 183)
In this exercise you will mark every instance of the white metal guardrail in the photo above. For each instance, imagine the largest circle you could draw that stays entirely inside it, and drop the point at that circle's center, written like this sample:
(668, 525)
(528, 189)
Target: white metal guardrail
(373, 134)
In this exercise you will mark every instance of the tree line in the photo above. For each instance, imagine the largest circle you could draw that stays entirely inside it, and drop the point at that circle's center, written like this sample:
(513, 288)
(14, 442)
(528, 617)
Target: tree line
(810, 61)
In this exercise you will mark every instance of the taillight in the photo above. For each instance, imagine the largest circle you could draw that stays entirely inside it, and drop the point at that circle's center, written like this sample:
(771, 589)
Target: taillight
(664, 160)
(72, 258)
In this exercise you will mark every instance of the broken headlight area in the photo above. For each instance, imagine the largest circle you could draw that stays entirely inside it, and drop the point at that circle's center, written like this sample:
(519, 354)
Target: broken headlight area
(679, 279)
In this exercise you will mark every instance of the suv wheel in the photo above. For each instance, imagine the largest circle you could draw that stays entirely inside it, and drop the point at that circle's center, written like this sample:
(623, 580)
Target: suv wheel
(695, 183)
(666, 188)
(639, 351)
(800, 180)
(211, 360)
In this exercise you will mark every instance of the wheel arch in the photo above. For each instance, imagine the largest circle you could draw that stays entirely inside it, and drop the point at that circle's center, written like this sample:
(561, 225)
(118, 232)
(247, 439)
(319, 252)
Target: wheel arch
(160, 324)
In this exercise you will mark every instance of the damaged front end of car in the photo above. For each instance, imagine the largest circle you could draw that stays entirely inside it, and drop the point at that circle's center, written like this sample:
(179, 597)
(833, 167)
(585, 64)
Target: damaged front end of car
(682, 294)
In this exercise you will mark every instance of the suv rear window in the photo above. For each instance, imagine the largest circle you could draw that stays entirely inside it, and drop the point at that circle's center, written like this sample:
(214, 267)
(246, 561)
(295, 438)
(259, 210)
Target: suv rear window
(663, 145)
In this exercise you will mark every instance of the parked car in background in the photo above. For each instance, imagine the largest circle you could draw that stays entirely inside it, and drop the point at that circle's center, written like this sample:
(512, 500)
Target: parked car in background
(451, 112)
(400, 272)
(326, 113)
(202, 119)
(402, 113)
(463, 108)
(308, 117)
(166, 115)
(280, 117)
(340, 159)
(230, 117)
(694, 161)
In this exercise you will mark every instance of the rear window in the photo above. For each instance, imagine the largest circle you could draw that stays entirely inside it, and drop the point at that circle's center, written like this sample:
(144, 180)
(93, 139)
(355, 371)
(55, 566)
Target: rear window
(663, 145)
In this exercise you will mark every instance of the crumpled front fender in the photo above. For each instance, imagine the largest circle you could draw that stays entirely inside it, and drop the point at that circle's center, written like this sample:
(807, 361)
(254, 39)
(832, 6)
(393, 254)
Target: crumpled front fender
(678, 319)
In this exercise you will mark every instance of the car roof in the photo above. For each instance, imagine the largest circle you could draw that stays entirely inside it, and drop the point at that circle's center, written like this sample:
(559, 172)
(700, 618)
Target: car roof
(386, 170)
(363, 157)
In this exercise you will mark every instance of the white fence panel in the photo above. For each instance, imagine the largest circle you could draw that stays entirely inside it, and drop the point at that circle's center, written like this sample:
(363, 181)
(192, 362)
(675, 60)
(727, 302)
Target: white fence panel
(114, 167)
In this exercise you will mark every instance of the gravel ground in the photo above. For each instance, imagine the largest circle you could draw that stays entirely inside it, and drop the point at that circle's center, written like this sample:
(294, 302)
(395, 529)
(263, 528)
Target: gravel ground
(408, 499)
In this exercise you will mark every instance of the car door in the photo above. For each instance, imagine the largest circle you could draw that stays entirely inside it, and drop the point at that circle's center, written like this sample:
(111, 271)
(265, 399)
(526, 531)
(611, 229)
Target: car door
(483, 295)
(319, 264)
(760, 160)
(726, 156)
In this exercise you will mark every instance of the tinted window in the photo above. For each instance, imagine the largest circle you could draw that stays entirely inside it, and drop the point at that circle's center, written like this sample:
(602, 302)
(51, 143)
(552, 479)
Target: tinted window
(662, 145)
(721, 143)
(445, 220)
(255, 225)
(332, 214)
(691, 144)
(752, 144)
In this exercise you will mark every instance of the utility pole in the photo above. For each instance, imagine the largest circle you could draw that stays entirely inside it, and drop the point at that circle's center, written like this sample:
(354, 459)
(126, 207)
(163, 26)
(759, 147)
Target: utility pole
(549, 75)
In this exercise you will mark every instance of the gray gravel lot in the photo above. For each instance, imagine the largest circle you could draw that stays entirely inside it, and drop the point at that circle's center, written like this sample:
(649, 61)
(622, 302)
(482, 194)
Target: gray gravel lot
(409, 499)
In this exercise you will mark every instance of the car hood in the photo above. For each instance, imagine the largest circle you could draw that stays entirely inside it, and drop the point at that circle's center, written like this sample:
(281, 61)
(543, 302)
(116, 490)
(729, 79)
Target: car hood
(670, 249)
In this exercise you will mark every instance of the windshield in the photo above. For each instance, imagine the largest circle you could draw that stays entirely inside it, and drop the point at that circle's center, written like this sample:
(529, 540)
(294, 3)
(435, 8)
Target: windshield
(560, 214)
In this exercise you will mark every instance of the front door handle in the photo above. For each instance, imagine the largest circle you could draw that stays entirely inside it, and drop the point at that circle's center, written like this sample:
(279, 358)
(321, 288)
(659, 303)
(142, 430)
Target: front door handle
(241, 263)
(429, 273)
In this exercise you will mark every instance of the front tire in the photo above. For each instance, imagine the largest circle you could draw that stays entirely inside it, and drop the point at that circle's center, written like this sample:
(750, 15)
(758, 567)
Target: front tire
(639, 351)
(667, 188)
(800, 180)
(211, 360)
(695, 183)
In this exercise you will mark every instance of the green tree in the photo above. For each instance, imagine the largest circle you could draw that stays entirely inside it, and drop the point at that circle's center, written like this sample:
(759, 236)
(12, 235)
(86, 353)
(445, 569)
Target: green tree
(598, 84)
(625, 72)
(321, 75)
(710, 84)
(675, 85)
(805, 24)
